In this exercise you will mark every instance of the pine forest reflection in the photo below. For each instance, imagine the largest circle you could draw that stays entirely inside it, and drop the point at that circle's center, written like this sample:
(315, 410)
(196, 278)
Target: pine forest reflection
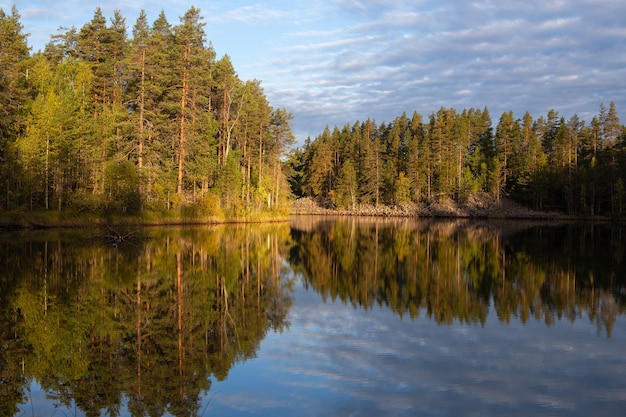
(151, 320)
(143, 329)
(454, 270)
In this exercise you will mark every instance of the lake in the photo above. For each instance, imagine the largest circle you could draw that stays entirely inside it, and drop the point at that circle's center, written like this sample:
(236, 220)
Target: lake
(318, 316)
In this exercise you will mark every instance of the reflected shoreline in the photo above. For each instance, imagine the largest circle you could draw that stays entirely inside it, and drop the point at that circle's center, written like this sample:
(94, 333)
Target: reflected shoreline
(454, 270)
(152, 322)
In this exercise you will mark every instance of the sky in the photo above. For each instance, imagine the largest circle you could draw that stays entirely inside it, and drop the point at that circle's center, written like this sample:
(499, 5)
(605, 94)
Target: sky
(335, 62)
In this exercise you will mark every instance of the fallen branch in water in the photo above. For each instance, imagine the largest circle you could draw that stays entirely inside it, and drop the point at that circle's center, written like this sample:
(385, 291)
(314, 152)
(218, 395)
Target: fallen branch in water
(116, 238)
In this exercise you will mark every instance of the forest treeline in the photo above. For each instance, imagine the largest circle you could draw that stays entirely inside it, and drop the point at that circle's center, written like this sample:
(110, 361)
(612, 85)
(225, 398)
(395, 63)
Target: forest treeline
(551, 163)
(109, 118)
(112, 119)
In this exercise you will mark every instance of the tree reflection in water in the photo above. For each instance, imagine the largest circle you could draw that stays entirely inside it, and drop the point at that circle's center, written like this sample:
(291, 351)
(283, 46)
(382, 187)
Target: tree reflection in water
(454, 270)
(150, 321)
(147, 326)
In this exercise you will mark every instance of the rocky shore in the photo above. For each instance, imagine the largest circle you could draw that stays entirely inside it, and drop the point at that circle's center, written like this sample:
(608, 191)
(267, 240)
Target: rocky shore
(478, 205)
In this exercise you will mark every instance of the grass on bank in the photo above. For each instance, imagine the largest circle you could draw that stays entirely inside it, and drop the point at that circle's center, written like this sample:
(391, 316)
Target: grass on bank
(41, 219)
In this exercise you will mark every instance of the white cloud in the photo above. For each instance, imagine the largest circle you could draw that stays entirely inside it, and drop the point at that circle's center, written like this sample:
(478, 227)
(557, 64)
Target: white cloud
(375, 363)
(252, 14)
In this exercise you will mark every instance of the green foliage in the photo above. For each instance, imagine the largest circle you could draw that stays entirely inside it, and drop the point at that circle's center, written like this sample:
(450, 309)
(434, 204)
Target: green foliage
(547, 164)
(403, 189)
(456, 272)
(346, 196)
(152, 321)
(13, 102)
(183, 123)
(162, 101)
(122, 187)
(230, 187)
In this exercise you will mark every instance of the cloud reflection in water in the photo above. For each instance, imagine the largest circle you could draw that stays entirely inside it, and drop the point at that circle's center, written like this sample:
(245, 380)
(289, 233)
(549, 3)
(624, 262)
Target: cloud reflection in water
(338, 360)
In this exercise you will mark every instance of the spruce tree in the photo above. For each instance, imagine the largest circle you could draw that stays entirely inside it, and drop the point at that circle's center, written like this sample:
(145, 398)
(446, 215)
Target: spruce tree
(13, 99)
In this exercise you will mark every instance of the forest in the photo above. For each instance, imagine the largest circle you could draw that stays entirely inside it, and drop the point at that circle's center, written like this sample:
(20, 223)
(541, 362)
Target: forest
(104, 122)
(111, 119)
(551, 163)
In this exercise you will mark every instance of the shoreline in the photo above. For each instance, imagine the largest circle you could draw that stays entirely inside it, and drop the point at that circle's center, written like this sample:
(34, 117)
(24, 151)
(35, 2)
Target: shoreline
(477, 207)
(46, 221)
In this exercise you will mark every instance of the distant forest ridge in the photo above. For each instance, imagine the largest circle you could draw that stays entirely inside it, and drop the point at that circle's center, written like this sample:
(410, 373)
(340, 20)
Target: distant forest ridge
(117, 119)
(551, 163)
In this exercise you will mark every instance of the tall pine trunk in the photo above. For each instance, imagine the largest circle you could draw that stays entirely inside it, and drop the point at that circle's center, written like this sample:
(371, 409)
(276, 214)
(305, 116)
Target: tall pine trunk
(183, 108)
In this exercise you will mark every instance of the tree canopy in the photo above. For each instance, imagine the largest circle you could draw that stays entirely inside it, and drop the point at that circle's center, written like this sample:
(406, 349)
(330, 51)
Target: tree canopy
(551, 163)
(112, 119)
(108, 119)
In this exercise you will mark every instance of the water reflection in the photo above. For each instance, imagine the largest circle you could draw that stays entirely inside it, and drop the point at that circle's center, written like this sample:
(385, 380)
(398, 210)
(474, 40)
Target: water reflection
(454, 270)
(150, 321)
(143, 329)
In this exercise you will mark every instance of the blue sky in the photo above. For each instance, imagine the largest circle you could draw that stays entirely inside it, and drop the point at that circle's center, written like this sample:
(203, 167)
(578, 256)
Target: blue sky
(332, 62)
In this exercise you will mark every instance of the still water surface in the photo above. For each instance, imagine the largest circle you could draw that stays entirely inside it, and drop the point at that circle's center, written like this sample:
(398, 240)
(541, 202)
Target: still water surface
(318, 317)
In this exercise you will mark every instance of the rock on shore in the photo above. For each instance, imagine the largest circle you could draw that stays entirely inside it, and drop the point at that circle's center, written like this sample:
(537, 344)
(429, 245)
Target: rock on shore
(477, 205)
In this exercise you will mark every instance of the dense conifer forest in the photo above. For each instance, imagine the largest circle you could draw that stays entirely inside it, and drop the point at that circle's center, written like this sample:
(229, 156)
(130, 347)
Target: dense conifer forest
(116, 119)
(112, 119)
(551, 163)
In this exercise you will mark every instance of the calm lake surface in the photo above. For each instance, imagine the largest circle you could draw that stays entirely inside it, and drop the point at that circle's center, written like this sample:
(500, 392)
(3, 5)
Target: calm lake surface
(315, 317)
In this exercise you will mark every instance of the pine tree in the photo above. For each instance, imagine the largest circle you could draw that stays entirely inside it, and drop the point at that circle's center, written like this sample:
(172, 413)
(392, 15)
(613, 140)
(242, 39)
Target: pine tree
(528, 161)
(34, 147)
(368, 165)
(160, 112)
(13, 99)
(62, 45)
(137, 83)
(281, 137)
(189, 41)
(346, 196)
(253, 131)
(92, 47)
(228, 89)
(442, 138)
(462, 140)
(611, 129)
(507, 143)
(318, 178)
(415, 156)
